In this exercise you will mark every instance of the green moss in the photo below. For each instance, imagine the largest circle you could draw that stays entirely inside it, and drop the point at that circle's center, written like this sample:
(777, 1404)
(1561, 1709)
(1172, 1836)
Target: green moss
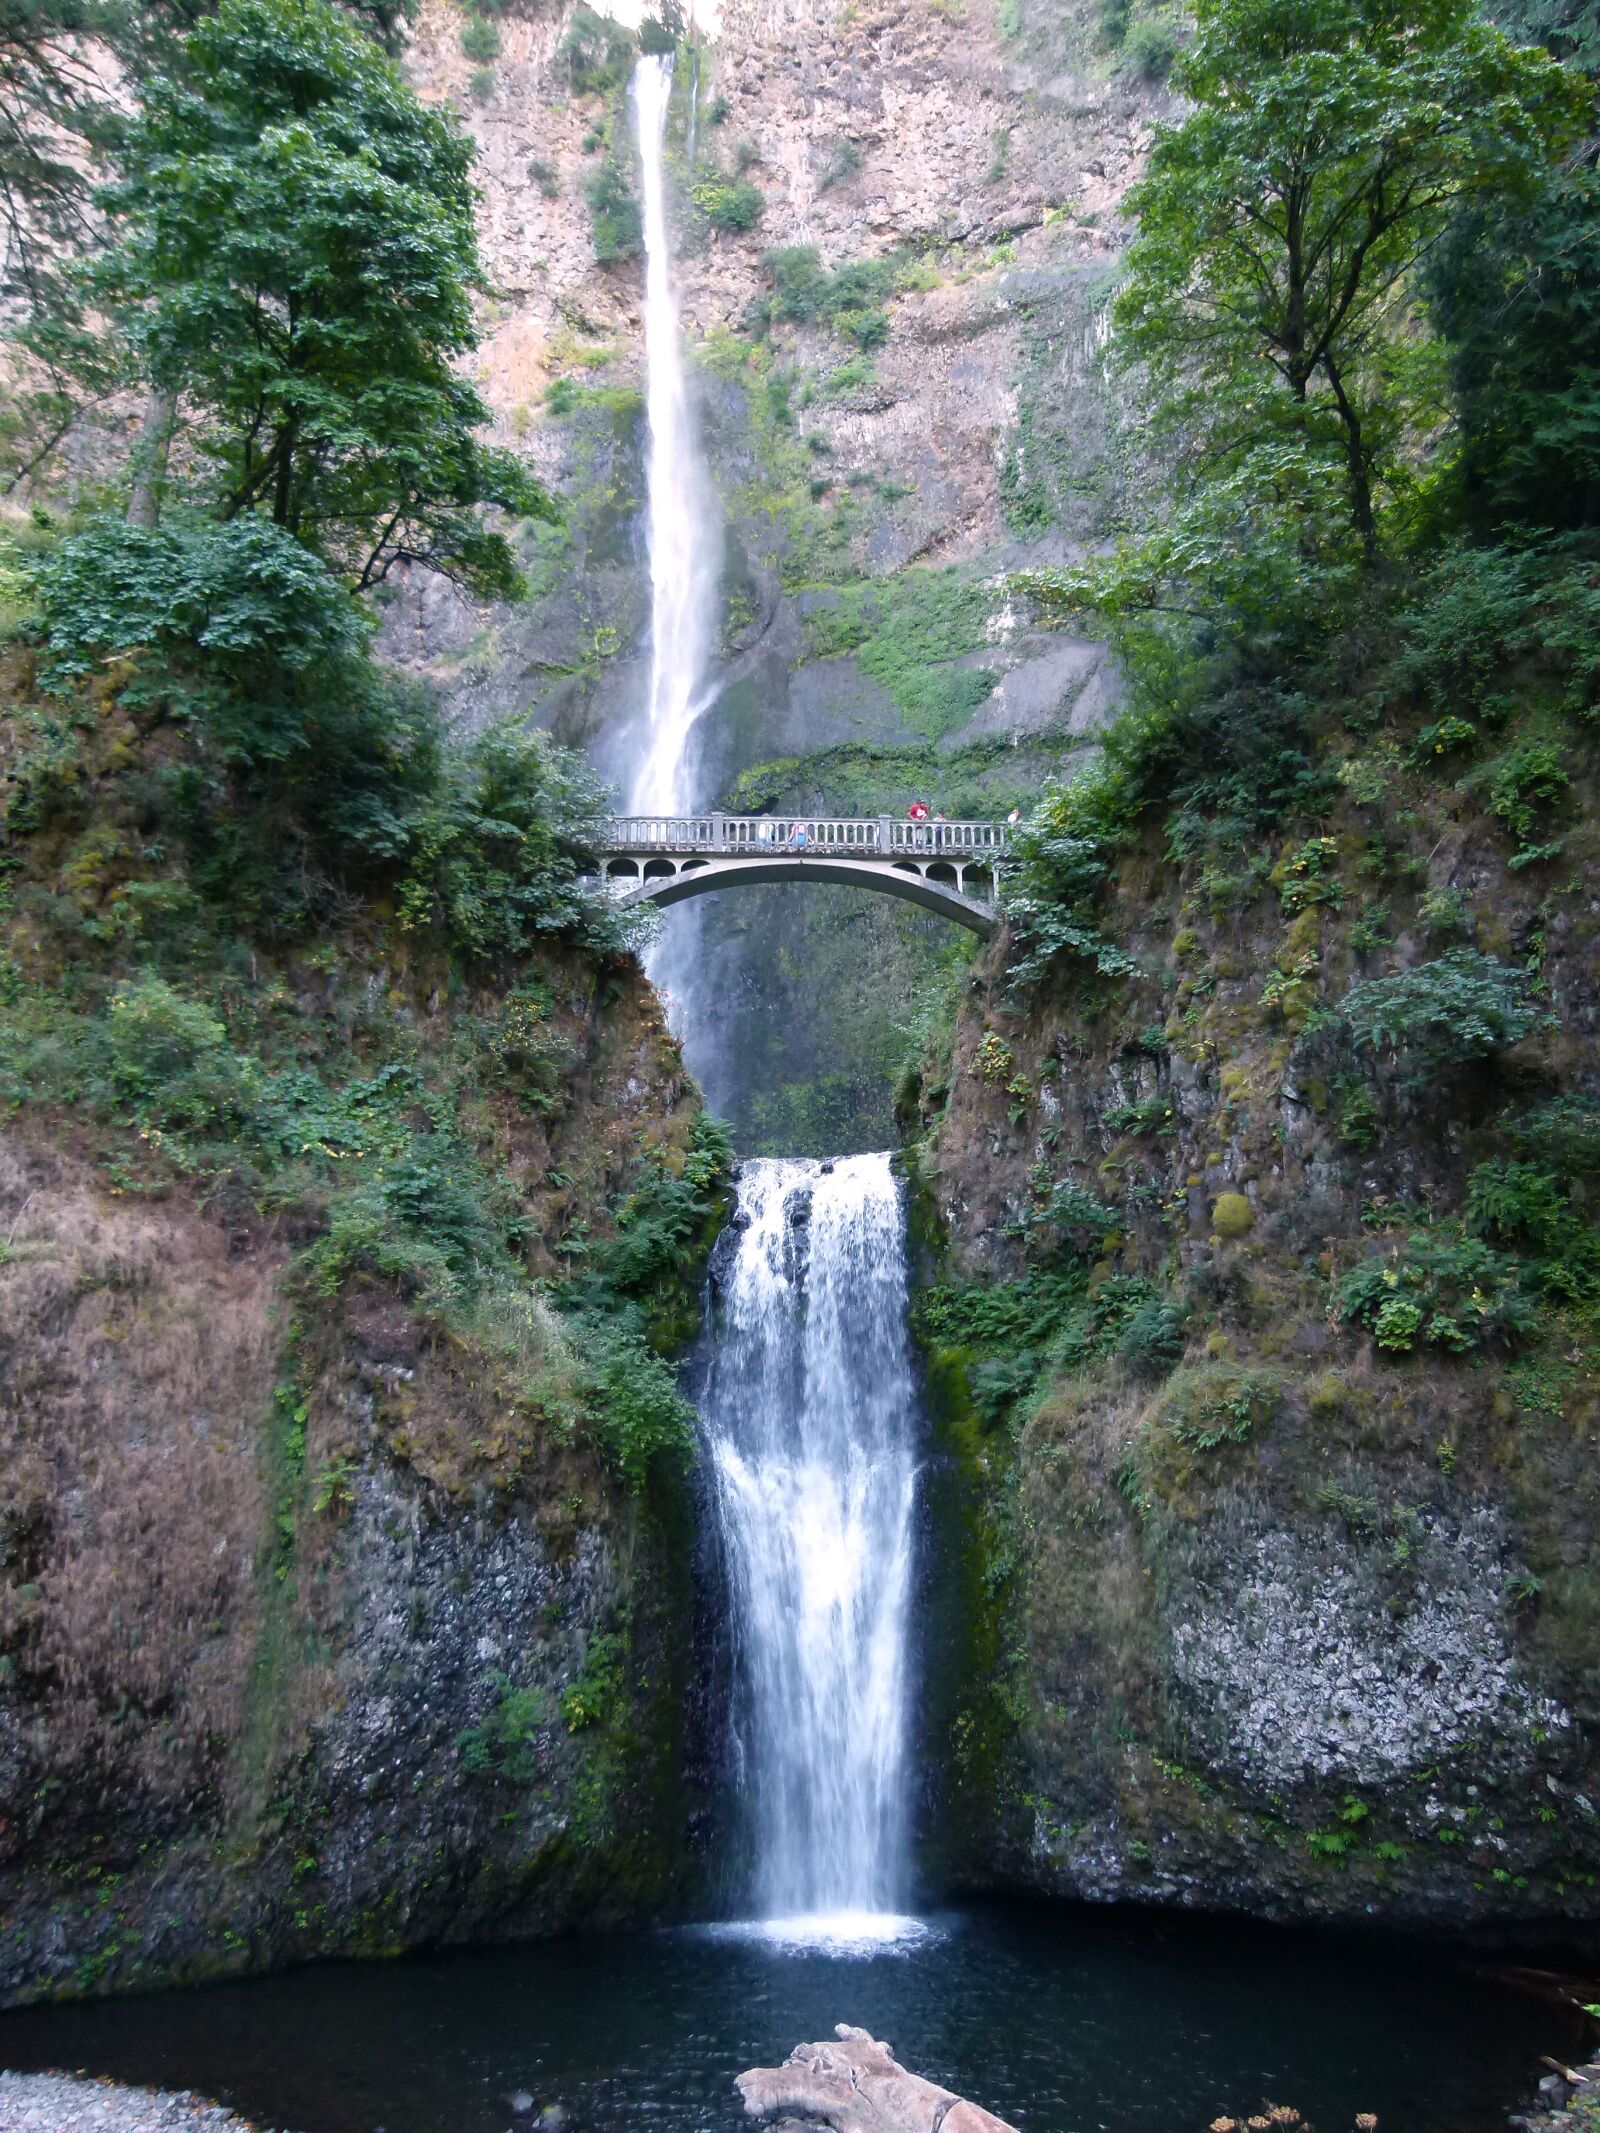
(1232, 1215)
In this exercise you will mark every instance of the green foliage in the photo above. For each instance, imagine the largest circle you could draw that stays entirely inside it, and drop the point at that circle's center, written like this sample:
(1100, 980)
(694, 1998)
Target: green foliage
(1516, 293)
(1454, 1293)
(844, 160)
(730, 204)
(298, 761)
(1564, 1133)
(1063, 861)
(1150, 1338)
(1521, 788)
(1057, 1317)
(848, 300)
(596, 53)
(614, 216)
(1207, 1408)
(245, 594)
(296, 257)
(1529, 1210)
(506, 1743)
(1478, 614)
(1149, 47)
(595, 1698)
(170, 1061)
(494, 855)
(908, 634)
(1460, 1008)
(666, 1215)
(480, 38)
(1281, 222)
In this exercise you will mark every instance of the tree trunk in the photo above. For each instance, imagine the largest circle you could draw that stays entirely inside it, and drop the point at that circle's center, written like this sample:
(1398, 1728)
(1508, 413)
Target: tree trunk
(1355, 453)
(855, 2086)
(150, 457)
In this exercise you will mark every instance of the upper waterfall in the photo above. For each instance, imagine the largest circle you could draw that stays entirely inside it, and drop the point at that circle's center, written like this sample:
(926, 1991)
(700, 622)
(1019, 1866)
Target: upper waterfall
(684, 526)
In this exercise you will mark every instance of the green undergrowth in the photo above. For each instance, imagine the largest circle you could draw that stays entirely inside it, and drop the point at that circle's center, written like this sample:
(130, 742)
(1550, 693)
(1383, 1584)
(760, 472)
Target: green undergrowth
(270, 940)
(911, 633)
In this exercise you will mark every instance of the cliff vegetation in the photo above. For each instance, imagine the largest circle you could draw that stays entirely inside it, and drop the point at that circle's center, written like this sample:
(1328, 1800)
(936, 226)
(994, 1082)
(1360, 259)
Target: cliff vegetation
(1265, 1160)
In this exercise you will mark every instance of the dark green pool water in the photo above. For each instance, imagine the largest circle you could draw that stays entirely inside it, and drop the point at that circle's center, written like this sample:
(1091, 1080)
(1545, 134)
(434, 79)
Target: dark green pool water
(1063, 2021)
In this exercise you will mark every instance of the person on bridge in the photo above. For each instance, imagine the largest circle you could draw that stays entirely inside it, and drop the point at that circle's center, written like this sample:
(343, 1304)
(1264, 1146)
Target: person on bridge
(797, 837)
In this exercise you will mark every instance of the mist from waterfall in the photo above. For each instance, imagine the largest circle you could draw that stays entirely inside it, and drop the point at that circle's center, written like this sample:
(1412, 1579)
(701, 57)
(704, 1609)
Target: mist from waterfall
(809, 1412)
(684, 528)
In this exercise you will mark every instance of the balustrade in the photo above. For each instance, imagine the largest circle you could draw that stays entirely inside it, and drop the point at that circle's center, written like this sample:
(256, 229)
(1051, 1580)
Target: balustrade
(878, 836)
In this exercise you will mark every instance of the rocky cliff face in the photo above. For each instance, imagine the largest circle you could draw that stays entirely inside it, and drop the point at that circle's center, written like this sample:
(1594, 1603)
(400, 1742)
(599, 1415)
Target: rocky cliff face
(1291, 1608)
(876, 472)
(325, 1624)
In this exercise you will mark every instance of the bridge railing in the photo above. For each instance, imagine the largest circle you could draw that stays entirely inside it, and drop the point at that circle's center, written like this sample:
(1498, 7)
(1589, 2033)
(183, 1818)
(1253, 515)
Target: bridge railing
(864, 836)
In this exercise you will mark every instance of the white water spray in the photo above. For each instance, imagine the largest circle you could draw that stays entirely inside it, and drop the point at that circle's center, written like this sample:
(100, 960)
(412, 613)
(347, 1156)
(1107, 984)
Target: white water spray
(809, 1412)
(684, 530)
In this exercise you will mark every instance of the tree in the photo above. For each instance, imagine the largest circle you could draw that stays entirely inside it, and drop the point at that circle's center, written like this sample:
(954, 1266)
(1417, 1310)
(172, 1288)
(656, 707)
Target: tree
(1281, 224)
(1515, 290)
(295, 262)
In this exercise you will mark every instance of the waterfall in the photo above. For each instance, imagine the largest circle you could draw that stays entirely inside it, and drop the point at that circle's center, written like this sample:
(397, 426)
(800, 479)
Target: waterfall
(684, 529)
(807, 1401)
(809, 1414)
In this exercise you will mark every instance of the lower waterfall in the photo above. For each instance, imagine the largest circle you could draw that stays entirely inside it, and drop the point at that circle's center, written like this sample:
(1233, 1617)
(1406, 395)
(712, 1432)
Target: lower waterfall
(809, 1413)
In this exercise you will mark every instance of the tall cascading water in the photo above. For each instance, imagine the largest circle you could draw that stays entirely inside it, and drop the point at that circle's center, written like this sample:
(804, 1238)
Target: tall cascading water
(685, 535)
(808, 1405)
(809, 1412)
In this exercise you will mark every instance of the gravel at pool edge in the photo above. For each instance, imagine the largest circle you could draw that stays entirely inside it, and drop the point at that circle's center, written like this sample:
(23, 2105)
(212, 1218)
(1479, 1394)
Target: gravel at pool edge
(73, 2103)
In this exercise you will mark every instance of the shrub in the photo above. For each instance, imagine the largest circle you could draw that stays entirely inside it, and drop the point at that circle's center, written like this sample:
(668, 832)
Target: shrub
(494, 857)
(1480, 612)
(1149, 48)
(246, 594)
(544, 176)
(1520, 1205)
(480, 84)
(1564, 1132)
(1521, 787)
(1464, 1006)
(843, 162)
(170, 1060)
(1063, 859)
(506, 1743)
(1151, 1341)
(614, 215)
(848, 300)
(596, 52)
(640, 1417)
(480, 38)
(735, 206)
(1451, 1293)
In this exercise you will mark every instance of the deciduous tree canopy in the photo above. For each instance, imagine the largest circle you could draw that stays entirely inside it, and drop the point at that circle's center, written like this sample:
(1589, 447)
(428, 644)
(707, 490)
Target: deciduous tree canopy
(296, 260)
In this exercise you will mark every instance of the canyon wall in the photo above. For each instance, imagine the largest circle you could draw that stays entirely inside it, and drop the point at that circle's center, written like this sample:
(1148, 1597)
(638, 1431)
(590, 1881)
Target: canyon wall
(883, 453)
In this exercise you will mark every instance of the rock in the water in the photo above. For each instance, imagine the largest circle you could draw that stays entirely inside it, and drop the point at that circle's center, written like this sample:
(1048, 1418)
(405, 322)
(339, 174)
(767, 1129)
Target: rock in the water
(857, 2086)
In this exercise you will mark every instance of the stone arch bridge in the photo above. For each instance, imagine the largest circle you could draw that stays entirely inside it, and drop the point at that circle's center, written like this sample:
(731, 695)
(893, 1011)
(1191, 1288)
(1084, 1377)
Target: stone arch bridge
(948, 867)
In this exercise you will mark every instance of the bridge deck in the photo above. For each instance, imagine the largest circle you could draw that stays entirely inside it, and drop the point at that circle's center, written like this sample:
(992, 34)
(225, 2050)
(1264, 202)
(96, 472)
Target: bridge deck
(865, 837)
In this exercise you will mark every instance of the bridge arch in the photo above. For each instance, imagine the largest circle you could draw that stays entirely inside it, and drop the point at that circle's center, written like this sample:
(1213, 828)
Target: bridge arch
(700, 877)
(948, 867)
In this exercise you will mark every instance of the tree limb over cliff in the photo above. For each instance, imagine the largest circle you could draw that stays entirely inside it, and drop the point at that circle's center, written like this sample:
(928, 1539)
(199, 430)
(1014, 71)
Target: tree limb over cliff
(857, 2086)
